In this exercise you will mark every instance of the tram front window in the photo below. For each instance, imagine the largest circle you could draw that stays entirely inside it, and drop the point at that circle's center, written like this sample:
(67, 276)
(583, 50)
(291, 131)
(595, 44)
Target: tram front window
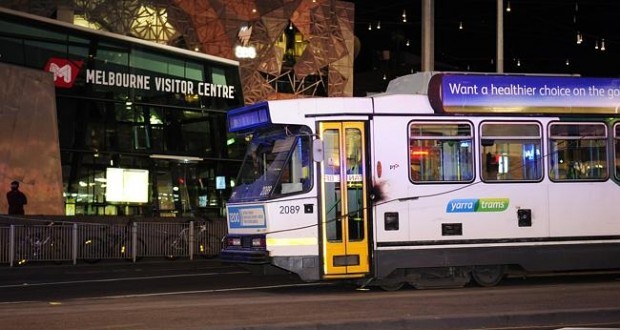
(276, 163)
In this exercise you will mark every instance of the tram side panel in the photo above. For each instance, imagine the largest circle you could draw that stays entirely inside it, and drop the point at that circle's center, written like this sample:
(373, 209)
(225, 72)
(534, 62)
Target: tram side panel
(389, 178)
(436, 228)
(292, 238)
(584, 209)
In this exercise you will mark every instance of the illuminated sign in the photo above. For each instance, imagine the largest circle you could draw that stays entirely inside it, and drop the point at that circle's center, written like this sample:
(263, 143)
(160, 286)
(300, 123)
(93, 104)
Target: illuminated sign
(523, 93)
(127, 185)
(159, 84)
(65, 71)
(220, 182)
(248, 117)
(245, 50)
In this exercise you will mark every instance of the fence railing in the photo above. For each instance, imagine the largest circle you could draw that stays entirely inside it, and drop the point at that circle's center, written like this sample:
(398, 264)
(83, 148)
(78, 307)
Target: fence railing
(90, 243)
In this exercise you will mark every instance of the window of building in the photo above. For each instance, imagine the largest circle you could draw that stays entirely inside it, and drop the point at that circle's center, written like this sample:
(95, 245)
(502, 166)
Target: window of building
(440, 151)
(577, 151)
(511, 151)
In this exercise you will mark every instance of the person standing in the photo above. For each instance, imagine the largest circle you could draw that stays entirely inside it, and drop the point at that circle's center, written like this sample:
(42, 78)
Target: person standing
(16, 199)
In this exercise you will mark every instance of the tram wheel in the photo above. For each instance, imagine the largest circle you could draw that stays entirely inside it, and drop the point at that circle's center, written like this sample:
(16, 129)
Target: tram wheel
(394, 286)
(488, 275)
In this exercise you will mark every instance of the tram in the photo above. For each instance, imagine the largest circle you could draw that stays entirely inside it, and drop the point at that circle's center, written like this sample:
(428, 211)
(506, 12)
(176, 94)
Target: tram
(443, 179)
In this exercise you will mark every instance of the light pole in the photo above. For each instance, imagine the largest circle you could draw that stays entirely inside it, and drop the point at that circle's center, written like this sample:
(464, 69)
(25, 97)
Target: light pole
(428, 35)
(500, 36)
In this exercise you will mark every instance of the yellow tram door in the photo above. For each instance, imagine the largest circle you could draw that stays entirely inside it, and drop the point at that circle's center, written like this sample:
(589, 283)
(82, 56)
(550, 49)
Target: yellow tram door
(344, 213)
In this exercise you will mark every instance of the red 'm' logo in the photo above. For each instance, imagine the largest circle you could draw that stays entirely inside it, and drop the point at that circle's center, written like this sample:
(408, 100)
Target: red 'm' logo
(65, 71)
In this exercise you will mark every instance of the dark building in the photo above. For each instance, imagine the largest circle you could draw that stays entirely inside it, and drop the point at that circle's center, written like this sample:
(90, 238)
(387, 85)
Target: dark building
(141, 126)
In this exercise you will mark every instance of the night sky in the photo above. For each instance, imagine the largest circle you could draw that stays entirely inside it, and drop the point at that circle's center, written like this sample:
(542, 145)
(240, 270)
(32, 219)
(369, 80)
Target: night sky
(539, 36)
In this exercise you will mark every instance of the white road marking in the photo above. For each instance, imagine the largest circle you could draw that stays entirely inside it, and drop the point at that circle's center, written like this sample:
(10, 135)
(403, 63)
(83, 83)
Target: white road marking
(216, 290)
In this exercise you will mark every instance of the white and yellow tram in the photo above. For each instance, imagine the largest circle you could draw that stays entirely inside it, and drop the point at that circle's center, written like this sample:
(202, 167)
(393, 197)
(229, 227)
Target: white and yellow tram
(461, 177)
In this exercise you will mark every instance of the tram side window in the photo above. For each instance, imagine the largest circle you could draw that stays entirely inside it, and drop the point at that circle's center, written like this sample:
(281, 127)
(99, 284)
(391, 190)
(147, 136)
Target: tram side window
(617, 153)
(511, 151)
(577, 151)
(440, 152)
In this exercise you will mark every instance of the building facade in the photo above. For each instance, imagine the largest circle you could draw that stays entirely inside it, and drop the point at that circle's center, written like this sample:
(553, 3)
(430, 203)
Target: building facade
(141, 126)
(131, 106)
(303, 48)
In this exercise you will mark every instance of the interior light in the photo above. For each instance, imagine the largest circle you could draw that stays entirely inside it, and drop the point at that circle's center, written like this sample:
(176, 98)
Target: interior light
(508, 9)
(461, 25)
(378, 25)
(603, 45)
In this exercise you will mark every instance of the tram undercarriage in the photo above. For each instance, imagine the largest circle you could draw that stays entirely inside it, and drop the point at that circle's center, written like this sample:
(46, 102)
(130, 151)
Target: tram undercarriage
(442, 277)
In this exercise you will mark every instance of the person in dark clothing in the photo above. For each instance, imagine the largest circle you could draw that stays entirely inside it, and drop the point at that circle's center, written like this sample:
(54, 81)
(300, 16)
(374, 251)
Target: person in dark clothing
(16, 199)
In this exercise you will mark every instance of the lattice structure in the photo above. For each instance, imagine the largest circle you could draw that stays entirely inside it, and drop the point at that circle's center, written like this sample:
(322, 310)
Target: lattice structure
(212, 26)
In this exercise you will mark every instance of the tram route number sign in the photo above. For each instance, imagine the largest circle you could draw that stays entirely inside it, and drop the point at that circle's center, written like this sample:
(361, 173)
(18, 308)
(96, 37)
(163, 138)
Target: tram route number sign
(240, 217)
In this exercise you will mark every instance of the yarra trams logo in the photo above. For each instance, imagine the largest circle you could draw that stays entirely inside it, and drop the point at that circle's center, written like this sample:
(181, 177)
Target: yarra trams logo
(65, 71)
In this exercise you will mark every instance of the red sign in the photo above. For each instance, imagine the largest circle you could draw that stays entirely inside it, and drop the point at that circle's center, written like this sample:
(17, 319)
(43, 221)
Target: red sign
(65, 71)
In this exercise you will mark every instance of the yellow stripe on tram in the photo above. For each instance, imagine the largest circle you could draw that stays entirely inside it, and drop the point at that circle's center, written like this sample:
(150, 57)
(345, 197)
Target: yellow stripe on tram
(274, 241)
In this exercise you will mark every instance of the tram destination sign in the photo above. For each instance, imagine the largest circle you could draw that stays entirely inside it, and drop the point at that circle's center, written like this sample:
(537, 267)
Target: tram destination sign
(469, 93)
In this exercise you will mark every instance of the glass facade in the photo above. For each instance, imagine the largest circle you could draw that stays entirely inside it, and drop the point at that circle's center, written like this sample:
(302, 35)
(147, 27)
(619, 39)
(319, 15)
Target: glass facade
(129, 104)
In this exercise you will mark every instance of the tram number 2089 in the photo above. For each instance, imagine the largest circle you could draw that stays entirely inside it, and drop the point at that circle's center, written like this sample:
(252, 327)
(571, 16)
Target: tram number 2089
(290, 209)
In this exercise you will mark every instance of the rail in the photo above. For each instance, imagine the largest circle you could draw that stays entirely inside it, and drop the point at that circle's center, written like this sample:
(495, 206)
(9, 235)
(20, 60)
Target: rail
(65, 242)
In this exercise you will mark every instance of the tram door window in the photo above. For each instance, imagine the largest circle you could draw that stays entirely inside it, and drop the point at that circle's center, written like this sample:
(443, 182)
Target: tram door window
(511, 151)
(344, 203)
(617, 152)
(578, 151)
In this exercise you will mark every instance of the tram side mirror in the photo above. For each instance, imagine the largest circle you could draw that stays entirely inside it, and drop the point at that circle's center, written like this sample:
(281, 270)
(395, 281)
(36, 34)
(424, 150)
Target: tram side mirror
(317, 150)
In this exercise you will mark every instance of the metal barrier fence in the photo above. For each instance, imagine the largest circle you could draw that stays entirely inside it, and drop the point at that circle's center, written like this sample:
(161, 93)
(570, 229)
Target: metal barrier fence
(91, 243)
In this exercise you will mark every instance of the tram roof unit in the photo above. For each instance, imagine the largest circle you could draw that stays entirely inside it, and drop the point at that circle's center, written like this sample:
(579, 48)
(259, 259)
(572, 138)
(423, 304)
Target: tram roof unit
(298, 111)
(427, 93)
(146, 43)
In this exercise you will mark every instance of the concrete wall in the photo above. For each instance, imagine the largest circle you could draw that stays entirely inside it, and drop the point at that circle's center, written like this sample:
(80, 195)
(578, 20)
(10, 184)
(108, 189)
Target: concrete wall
(29, 149)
